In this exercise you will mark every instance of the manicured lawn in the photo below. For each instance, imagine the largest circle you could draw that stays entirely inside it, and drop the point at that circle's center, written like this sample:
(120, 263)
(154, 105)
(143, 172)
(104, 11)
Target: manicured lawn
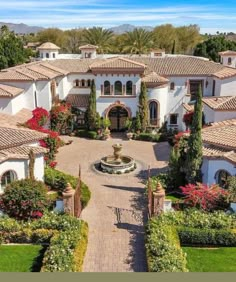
(20, 258)
(211, 260)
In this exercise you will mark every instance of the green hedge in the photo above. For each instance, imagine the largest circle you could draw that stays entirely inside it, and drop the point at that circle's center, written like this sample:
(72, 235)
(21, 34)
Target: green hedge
(190, 227)
(87, 134)
(211, 237)
(148, 137)
(58, 180)
(67, 238)
(164, 253)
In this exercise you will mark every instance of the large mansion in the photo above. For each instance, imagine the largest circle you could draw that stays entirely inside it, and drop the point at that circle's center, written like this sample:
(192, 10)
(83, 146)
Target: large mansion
(172, 82)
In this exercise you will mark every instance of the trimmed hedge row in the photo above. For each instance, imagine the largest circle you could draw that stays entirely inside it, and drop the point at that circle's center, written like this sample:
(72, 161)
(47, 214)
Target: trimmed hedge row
(58, 180)
(211, 237)
(164, 253)
(66, 236)
(87, 134)
(168, 231)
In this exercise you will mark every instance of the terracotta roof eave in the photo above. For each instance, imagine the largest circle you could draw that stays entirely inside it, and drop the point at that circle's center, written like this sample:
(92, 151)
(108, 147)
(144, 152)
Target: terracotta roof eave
(218, 145)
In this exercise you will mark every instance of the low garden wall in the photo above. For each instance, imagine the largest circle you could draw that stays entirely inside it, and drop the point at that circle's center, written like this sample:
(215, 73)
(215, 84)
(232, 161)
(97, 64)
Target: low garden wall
(65, 236)
(167, 232)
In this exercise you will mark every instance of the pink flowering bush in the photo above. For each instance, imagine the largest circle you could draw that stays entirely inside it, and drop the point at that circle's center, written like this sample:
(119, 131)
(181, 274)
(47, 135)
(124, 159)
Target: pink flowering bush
(24, 199)
(204, 197)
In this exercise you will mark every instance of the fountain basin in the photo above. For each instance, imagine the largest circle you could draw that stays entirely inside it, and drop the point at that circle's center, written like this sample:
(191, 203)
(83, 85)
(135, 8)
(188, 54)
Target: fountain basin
(111, 165)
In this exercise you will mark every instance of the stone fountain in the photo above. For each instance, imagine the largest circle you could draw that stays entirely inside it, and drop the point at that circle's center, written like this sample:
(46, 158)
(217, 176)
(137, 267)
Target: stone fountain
(117, 163)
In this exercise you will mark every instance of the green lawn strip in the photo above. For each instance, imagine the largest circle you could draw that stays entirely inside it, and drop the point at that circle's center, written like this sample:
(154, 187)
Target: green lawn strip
(210, 259)
(20, 258)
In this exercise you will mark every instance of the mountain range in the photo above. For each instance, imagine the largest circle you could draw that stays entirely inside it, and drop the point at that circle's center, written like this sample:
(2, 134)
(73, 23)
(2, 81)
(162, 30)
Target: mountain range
(22, 28)
(26, 29)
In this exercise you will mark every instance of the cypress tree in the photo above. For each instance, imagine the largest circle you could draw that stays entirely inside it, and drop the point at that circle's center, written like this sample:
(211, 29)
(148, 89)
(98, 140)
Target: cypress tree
(173, 48)
(194, 155)
(91, 114)
(143, 107)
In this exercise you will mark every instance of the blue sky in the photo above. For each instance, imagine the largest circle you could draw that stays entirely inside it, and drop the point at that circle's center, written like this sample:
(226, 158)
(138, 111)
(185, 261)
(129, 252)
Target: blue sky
(210, 15)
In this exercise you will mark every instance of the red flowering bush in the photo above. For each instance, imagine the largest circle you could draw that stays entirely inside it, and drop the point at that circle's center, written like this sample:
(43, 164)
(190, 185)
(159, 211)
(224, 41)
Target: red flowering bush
(60, 116)
(53, 164)
(203, 196)
(53, 141)
(24, 199)
(188, 119)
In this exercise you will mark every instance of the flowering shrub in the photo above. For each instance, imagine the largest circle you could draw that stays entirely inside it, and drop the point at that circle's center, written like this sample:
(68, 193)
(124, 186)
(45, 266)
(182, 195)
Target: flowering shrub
(188, 119)
(52, 142)
(203, 196)
(24, 199)
(60, 116)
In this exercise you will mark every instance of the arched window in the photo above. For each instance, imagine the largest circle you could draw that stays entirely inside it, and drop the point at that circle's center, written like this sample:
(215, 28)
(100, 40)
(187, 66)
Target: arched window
(47, 55)
(107, 88)
(8, 177)
(83, 83)
(129, 88)
(172, 86)
(76, 83)
(229, 61)
(118, 88)
(88, 82)
(222, 177)
(153, 117)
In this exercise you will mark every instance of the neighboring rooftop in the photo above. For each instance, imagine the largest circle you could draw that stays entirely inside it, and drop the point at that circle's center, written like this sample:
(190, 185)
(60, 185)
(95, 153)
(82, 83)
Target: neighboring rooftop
(48, 46)
(88, 46)
(221, 103)
(79, 101)
(13, 120)
(213, 152)
(14, 137)
(9, 91)
(227, 53)
(188, 108)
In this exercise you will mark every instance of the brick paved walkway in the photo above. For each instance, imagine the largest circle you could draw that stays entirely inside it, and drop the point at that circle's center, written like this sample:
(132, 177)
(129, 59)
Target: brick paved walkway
(116, 212)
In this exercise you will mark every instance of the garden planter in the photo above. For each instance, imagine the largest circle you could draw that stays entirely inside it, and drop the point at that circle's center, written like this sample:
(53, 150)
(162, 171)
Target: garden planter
(129, 135)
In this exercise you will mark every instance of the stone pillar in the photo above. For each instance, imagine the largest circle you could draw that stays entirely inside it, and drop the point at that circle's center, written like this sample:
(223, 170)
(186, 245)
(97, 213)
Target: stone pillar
(68, 199)
(158, 200)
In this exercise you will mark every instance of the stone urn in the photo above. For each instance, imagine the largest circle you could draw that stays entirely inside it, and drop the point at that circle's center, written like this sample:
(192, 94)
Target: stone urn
(129, 135)
(117, 152)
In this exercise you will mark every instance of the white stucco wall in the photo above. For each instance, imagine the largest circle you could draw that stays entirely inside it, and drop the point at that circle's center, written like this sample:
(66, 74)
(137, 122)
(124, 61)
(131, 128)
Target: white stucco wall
(211, 167)
(20, 167)
(216, 116)
(224, 61)
(43, 54)
(43, 89)
(225, 87)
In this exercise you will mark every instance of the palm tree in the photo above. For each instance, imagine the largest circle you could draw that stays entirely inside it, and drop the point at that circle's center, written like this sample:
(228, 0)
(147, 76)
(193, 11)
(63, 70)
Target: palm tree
(100, 37)
(139, 41)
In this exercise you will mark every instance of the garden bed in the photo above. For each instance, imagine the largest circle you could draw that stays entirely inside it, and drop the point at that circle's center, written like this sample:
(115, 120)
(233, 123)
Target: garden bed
(21, 258)
(210, 259)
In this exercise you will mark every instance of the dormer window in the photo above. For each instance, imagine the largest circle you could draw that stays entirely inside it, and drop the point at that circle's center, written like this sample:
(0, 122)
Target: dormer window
(76, 83)
(47, 55)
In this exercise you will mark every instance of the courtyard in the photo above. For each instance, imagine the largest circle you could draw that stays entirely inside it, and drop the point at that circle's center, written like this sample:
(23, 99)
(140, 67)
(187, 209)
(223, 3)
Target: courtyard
(116, 212)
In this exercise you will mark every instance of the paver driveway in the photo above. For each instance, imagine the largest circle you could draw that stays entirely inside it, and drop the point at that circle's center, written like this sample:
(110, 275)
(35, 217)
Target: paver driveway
(117, 210)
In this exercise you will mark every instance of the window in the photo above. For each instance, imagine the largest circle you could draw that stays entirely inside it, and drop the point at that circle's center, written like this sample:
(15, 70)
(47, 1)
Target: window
(213, 88)
(153, 107)
(88, 55)
(173, 119)
(8, 177)
(118, 88)
(172, 86)
(54, 55)
(222, 177)
(194, 86)
(35, 99)
(129, 88)
(107, 88)
(82, 83)
(47, 55)
(229, 61)
(76, 83)
(89, 83)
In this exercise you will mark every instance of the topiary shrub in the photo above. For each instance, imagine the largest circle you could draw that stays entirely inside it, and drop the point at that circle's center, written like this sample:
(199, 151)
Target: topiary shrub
(24, 199)
(87, 134)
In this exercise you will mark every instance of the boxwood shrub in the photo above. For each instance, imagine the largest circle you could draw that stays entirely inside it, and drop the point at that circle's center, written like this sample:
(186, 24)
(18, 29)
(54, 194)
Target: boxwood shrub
(57, 180)
(148, 137)
(87, 134)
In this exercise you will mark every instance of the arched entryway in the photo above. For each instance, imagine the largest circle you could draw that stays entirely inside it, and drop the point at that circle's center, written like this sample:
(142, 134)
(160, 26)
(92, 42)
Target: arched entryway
(118, 116)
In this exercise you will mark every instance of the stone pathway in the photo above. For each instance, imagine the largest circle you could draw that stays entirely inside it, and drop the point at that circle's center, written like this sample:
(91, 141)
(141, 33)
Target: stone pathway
(117, 210)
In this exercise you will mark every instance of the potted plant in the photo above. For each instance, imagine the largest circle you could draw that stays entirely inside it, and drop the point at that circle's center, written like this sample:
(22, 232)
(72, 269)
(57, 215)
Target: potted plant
(128, 125)
(106, 132)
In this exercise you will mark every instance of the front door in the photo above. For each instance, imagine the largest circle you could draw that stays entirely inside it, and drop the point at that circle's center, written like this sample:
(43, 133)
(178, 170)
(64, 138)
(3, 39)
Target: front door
(118, 116)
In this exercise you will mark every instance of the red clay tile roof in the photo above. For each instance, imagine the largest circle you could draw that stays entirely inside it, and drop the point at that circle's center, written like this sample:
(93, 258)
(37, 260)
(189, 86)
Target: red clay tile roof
(223, 103)
(13, 137)
(153, 77)
(48, 46)
(188, 108)
(88, 46)
(227, 53)
(78, 100)
(213, 152)
(9, 91)
(224, 122)
(118, 63)
(13, 120)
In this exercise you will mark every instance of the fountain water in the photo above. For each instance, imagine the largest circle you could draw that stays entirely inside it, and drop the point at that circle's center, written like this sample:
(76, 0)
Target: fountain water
(117, 164)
